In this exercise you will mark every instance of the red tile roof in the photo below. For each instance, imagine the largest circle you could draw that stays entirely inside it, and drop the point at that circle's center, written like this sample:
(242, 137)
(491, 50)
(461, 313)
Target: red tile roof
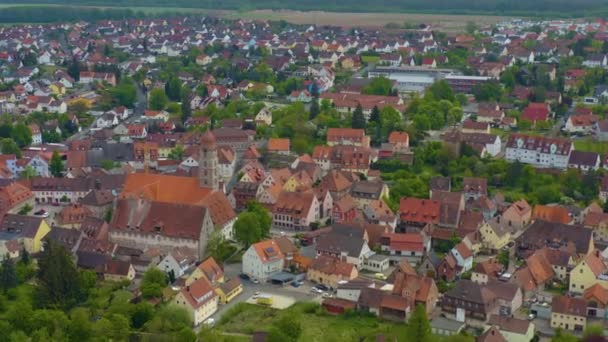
(419, 210)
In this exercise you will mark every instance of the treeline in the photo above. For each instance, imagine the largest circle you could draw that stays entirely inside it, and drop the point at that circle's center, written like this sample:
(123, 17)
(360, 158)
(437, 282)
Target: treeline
(507, 7)
(49, 14)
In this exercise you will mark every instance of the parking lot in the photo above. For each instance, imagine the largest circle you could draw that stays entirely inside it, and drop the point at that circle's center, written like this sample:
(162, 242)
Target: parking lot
(277, 301)
(285, 294)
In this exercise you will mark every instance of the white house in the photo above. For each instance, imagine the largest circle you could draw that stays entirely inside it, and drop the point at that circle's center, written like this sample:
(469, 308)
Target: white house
(539, 151)
(262, 260)
(107, 120)
(463, 255)
(178, 261)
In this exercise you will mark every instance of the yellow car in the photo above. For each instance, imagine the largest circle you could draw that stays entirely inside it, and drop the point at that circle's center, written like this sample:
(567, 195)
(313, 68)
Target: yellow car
(380, 276)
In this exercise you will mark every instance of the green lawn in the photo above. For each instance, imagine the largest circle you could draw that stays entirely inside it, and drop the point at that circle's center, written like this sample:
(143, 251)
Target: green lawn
(591, 146)
(316, 324)
(370, 59)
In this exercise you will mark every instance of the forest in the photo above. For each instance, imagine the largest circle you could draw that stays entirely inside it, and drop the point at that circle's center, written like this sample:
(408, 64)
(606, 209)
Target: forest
(561, 8)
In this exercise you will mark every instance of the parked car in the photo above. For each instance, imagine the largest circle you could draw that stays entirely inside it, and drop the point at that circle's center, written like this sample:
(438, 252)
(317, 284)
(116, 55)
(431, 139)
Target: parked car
(210, 322)
(41, 213)
(326, 295)
(244, 276)
(296, 283)
(316, 290)
(321, 287)
(380, 276)
(255, 281)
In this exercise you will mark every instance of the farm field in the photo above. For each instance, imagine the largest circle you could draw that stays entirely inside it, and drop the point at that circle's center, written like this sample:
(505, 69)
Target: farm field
(444, 22)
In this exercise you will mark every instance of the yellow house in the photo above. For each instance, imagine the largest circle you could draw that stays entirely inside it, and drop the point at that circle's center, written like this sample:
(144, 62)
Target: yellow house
(299, 180)
(228, 290)
(213, 273)
(330, 271)
(57, 89)
(28, 230)
(568, 313)
(199, 299)
(590, 271)
(495, 234)
(208, 269)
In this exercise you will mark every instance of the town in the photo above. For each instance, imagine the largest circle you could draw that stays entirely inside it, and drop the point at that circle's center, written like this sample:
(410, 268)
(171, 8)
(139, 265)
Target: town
(197, 178)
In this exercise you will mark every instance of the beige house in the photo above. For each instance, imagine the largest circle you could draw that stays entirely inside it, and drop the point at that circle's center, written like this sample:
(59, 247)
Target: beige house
(568, 313)
(519, 214)
(117, 270)
(495, 234)
(513, 329)
(330, 271)
(199, 299)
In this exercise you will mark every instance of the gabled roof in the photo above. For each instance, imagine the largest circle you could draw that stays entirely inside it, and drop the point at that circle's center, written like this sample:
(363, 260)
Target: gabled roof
(556, 214)
(198, 293)
(569, 306)
(268, 251)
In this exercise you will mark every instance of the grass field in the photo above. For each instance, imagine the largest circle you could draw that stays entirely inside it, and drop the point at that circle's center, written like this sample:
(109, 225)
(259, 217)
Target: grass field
(444, 22)
(370, 59)
(589, 145)
(316, 325)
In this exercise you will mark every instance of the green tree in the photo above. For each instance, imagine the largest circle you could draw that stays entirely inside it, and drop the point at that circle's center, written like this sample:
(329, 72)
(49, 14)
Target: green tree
(74, 69)
(562, 336)
(141, 313)
(125, 93)
(185, 105)
(8, 146)
(58, 279)
(25, 257)
(379, 86)
(503, 258)
(419, 328)
(253, 224)
(487, 91)
(80, 328)
(177, 153)
(593, 330)
(153, 283)
(158, 99)
(441, 90)
(173, 88)
(28, 172)
(314, 108)
(8, 276)
(22, 135)
(358, 119)
(56, 165)
(375, 115)
(289, 325)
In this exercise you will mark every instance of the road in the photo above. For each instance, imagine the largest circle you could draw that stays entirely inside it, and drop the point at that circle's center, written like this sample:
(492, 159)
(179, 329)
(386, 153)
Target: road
(139, 109)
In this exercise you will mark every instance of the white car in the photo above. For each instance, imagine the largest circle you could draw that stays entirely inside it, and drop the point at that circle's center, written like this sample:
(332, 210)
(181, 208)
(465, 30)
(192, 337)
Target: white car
(326, 295)
(316, 290)
(255, 281)
(210, 322)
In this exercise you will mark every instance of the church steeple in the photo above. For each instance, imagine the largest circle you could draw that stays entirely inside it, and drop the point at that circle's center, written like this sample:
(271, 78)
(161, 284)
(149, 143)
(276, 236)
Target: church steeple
(208, 162)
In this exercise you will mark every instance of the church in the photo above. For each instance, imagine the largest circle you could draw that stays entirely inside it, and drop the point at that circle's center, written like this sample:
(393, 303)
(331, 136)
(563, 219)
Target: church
(165, 211)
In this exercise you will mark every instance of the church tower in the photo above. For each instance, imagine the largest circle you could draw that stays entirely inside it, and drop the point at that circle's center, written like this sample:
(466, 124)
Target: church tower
(208, 163)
